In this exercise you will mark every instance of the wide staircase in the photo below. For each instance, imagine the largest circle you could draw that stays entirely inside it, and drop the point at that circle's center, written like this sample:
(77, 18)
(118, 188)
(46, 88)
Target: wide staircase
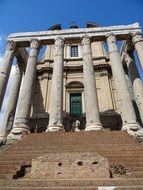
(125, 156)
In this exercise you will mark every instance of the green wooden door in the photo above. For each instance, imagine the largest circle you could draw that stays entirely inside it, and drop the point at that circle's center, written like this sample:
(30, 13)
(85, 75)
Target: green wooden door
(75, 104)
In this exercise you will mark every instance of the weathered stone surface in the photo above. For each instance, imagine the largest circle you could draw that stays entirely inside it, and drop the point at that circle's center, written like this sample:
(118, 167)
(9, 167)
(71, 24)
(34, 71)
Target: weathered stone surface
(24, 102)
(91, 101)
(137, 84)
(56, 106)
(98, 32)
(5, 68)
(12, 101)
(117, 170)
(70, 166)
(124, 98)
(138, 42)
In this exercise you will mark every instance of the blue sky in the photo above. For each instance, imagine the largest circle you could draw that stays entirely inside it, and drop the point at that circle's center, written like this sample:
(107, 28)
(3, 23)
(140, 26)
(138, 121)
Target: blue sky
(37, 15)
(33, 15)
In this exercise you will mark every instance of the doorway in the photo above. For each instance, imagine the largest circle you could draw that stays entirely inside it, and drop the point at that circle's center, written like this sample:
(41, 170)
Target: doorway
(75, 104)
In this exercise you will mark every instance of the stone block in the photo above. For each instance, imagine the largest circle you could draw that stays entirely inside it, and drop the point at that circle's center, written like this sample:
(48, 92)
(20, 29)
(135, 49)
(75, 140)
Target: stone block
(70, 166)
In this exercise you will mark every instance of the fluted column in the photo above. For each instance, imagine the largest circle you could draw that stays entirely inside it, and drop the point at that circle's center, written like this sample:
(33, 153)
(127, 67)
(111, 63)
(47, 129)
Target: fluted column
(138, 43)
(5, 68)
(124, 98)
(91, 100)
(136, 81)
(12, 101)
(56, 105)
(21, 123)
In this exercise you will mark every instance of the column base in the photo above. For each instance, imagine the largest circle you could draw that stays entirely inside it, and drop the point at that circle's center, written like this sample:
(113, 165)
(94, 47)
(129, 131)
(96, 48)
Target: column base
(18, 131)
(2, 136)
(139, 135)
(52, 128)
(2, 139)
(94, 127)
(131, 126)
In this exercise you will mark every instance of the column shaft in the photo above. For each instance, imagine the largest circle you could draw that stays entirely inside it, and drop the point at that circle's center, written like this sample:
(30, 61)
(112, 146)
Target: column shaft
(124, 98)
(21, 123)
(138, 43)
(136, 82)
(56, 106)
(91, 100)
(12, 101)
(5, 68)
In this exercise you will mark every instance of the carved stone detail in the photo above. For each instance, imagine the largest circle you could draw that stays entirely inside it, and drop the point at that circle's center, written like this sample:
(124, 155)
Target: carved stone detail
(127, 58)
(11, 45)
(59, 42)
(137, 37)
(111, 38)
(85, 40)
(35, 44)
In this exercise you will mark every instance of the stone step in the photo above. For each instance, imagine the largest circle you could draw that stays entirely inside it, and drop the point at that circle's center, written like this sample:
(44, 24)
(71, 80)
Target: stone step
(120, 140)
(116, 152)
(127, 188)
(135, 174)
(106, 133)
(110, 158)
(13, 162)
(76, 148)
(108, 155)
(7, 176)
(49, 188)
(118, 147)
(34, 155)
(8, 171)
(8, 167)
(79, 141)
(72, 183)
(74, 188)
(136, 169)
(28, 162)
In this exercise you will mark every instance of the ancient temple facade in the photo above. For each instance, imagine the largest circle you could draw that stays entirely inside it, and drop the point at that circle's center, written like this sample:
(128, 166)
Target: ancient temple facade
(82, 76)
(73, 86)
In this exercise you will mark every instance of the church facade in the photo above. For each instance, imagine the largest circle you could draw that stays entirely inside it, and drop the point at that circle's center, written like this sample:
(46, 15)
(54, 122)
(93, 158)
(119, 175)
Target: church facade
(82, 76)
(73, 86)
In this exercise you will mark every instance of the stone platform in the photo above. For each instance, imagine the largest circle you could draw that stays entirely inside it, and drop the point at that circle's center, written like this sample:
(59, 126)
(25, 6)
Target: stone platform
(70, 166)
(123, 153)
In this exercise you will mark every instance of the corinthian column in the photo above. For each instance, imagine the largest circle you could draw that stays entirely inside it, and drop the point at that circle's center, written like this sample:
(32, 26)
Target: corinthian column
(138, 43)
(91, 101)
(56, 106)
(137, 83)
(12, 101)
(5, 68)
(21, 123)
(124, 98)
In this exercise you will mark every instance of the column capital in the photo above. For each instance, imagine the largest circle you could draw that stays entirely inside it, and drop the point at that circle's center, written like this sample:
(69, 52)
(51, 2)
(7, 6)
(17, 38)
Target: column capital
(137, 37)
(59, 42)
(35, 44)
(11, 45)
(127, 58)
(111, 38)
(85, 40)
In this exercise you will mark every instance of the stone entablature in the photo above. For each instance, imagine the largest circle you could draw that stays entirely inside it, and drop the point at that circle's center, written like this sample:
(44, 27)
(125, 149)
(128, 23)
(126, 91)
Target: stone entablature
(98, 34)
